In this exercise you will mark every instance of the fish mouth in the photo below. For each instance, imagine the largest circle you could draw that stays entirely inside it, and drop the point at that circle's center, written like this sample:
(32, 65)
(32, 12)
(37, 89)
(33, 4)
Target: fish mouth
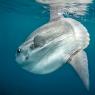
(20, 59)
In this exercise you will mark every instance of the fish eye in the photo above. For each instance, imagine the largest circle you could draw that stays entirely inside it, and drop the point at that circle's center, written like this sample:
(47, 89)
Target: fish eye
(19, 50)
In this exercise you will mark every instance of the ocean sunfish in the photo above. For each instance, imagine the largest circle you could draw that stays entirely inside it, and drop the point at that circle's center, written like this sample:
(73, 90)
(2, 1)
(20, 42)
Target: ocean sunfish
(54, 44)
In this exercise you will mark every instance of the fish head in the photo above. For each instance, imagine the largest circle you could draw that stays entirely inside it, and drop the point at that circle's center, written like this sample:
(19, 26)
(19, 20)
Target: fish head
(30, 49)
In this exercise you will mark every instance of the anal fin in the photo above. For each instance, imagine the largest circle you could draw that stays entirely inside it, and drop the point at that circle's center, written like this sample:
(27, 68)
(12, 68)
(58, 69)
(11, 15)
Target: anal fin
(80, 63)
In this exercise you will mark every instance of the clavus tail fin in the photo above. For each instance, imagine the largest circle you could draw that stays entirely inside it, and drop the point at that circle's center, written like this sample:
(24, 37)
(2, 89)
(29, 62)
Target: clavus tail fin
(80, 63)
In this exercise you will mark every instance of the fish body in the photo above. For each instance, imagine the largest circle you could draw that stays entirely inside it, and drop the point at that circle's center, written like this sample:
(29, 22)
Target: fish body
(51, 45)
(46, 47)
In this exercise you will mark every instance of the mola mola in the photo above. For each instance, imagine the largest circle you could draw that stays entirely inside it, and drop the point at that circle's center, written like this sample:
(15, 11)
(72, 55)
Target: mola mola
(54, 44)
(60, 41)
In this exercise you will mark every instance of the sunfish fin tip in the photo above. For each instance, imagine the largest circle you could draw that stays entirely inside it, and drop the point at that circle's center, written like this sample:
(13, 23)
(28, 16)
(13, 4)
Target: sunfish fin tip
(80, 63)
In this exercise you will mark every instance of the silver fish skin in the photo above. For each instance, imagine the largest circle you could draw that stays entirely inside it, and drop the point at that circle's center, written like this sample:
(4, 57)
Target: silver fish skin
(51, 46)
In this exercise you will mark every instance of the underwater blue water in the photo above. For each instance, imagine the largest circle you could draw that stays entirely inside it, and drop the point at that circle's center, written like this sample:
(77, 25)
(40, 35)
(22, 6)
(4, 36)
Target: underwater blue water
(18, 18)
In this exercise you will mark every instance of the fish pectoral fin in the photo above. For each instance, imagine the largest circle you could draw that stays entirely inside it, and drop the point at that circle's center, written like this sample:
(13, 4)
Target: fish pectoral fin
(80, 63)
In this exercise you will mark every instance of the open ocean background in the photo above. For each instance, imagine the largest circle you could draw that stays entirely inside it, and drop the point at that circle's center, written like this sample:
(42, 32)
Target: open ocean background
(18, 18)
